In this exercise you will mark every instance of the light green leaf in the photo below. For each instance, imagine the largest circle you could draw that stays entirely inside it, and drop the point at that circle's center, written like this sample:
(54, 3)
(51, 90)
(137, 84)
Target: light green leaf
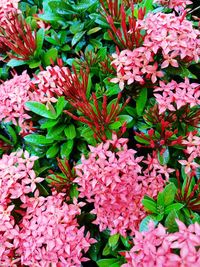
(38, 139)
(70, 131)
(40, 109)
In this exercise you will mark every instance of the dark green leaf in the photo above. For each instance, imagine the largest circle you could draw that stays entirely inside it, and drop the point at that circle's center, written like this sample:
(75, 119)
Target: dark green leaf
(141, 101)
(52, 151)
(66, 149)
(77, 37)
(55, 131)
(39, 40)
(38, 139)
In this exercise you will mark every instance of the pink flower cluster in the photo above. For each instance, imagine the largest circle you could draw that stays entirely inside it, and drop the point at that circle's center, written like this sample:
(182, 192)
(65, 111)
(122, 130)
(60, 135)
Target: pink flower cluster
(176, 4)
(14, 93)
(46, 83)
(192, 143)
(6, 7)
(156, 247)
(17, 180)
(111, 179)
(49, 234)
(173, 39)
(176, 95)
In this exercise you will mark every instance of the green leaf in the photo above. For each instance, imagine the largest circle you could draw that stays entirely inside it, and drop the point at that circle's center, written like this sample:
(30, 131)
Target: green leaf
(141, 101)
(40, 109)
(148, 4)
(144, 225)
(50, 55)
(66, 149)
(39, 40)
(164, 158)
(76, 27)
(77, 37)
(141, 140)
(55, 131)
(93, 30)
(170, 222)
(15, 63)
(52, 151)
(12, 134)
(60, 104)
(107, 250)
(38, 139)
(115, 125)
(112, 241)
(48, 123)
(109, 262)
(70, 131)
(174, 206)
(125, 118)
(169, 194)
(149, 205)
(74, 191)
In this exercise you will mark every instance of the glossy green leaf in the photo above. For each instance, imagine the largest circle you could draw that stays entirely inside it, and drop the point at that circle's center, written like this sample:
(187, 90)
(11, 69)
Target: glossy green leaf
(39, 40)
(141, 101)
(40, 109)
(77, 37)
(109, 262)
(60, 104)
(149, 205)
(66, 149)
(170, 222)
(55, 131)
(38, 139)
(50, 55)
(52, 151)
(112, 241)
(174, 206)
(70, 131)
(169, 194)
(93, 30)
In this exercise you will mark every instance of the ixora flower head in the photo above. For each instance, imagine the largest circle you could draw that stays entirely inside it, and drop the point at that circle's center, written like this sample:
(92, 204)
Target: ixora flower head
(50, 235)
(7, 7)
(111, 179)
(176, 4)
(174, 39)
(157, 247)
(14, 93)
(176, 95)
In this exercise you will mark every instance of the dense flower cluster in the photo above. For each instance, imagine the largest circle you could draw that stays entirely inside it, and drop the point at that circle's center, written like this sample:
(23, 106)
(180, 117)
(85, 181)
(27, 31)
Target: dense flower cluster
(176, 4)
(17, 180)
(14, 93)
(173, 39)
(176, 95)
(46, 84)
(156, 247)
(113, 182)
(50, 235)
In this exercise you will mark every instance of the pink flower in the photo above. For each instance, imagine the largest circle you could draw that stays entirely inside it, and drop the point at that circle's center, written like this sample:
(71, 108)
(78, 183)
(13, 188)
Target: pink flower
(50, 234)
(14, 94)
(113, 182)
(156, 247)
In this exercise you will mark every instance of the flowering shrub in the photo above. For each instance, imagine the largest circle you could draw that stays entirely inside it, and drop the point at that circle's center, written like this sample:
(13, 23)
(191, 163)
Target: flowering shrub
(99, 133)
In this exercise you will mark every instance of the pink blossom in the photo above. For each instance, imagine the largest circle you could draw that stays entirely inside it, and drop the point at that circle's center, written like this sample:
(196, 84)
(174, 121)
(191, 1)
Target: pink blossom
(176, 95)
(114, 183)
(50, 234)
(14, 94)
(157, 247)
